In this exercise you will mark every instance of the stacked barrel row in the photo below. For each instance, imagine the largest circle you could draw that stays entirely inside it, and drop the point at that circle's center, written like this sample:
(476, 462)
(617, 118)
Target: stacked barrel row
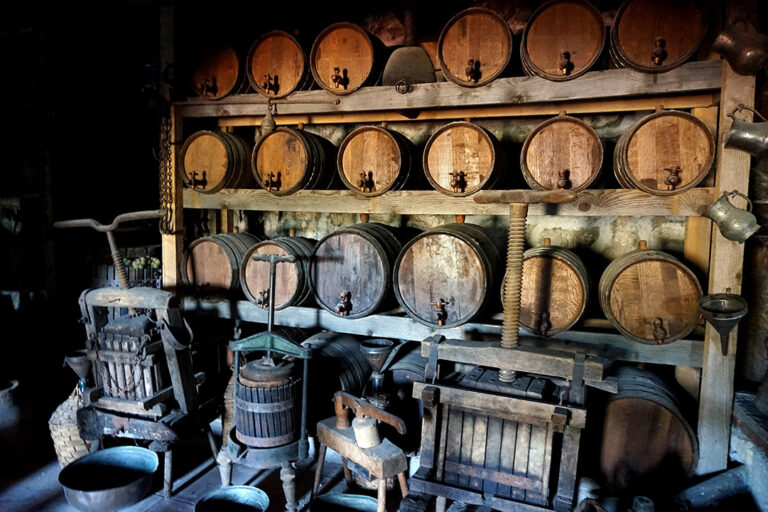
(664, 153)
(562, 40)
(448, 276)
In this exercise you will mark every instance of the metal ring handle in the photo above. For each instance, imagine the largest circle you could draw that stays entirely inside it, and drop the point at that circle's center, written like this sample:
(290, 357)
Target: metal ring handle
(734, 193)
(741, 107)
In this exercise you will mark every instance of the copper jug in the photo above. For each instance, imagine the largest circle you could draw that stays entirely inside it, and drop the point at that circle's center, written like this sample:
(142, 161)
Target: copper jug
(745, 136)
(734, 223)
(746, 52)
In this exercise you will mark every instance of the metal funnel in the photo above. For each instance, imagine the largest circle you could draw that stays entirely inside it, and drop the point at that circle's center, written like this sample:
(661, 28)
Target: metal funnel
(376, 352)
(723, 311)
(79, 362)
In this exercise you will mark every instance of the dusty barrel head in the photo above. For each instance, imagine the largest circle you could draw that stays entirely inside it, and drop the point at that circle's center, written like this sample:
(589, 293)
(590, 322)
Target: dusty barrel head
(210, 161)
(474, 47)
(211, 264)
(562, 40)
(461, 158)
(444, 276)
(217, 72)
(276, 65)
(654, 36)
(664, 153)
(344, 57)
(561, 153)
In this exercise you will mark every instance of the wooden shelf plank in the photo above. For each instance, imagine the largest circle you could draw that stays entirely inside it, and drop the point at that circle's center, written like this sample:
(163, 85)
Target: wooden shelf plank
(429, 202)
(605, 345)
(693, 77)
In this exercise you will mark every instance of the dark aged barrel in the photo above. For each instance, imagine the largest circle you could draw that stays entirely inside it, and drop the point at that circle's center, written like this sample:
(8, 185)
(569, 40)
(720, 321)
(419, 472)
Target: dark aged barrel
(210, 161)
(267, 405)
(461, 158)
(664, 153)
(562, 40)
(647, 441)
(444, 276)
(650, 296)
(291, 279)
(474, 47)
(212, 263)
(561, 153)
(555, 289)
(373, 160)
(344, 57)
(217, 72)
(351, 269)
(288, 160)
(276, 65)
(657, 35)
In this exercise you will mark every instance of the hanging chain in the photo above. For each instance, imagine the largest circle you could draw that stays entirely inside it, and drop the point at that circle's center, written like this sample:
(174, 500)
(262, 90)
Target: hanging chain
(166, 177)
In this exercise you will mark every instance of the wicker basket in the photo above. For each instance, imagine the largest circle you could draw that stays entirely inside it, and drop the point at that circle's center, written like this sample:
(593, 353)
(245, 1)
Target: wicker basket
(64, 433)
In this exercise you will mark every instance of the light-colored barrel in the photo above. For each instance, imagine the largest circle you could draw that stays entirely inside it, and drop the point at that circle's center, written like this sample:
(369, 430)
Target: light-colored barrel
(276, 65)
(217, 72)
(210, 161)
(212, 264)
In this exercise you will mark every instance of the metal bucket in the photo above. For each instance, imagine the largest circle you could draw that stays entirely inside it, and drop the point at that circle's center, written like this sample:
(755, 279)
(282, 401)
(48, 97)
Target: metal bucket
(236, 498)
(336, 502)
(109, 479)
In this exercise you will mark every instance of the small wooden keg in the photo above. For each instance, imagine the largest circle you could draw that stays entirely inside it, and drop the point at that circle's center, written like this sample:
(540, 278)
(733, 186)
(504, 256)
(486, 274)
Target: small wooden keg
(561, 153)
(288, 160)
(351, 269)
(374, 160)
(276, 65)
(217, 72)
(344, 57)
(212, 264)
(654, 36)
(650, 296)
(664, 153)
(474, 47)
(461, 158)
(210, 161)
(444, 276)
(562, 40)
(555, 289)
(647, 442)
(291, 279)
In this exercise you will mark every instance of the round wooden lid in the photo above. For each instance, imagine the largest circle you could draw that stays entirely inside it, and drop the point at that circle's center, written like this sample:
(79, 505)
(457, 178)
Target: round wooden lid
(284, 154)
(279, 55)
(562, 144)
(680, 24)
(461, 147)
(345, 262)
(553, 286)
(572, 26)
(257, 274)
(439, 266)
(206, 154)
(344, 46)
(667, 140)
(217, 72)
(651, 289)
(369, 150)
(479, 35)
(209, 266)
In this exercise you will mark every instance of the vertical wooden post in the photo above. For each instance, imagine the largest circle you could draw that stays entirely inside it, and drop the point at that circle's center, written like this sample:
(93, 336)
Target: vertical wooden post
(726, 262)
(172, 244)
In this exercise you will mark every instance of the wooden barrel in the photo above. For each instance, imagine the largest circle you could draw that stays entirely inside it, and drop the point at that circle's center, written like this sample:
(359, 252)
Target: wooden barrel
(461, 158)
(288, 160)
(210, 161)
(344, 57)
(474, 47)
(654, 36)
(647, 442)
(217, 72)
(650, 296)
(267, 405)
(374, 160)
(291, 279)
(276, 65)
(351, 269)
(212, 263)
(443, 276)
(562, 40)
(664, 153)
(561, 153)
(555, 289)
